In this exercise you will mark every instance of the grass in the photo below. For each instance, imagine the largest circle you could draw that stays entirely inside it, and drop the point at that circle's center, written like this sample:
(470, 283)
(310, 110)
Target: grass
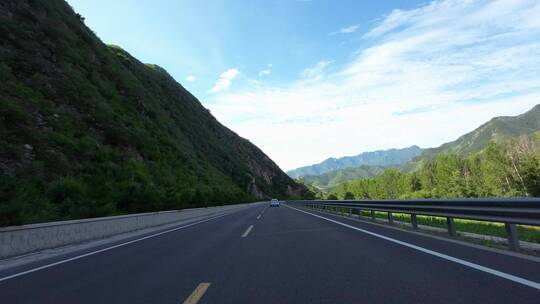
(526, 233)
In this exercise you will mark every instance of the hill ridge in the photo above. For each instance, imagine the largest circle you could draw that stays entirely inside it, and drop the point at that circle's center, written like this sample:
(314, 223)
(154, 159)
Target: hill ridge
(86, 129)
(496, 129)
(393, 156)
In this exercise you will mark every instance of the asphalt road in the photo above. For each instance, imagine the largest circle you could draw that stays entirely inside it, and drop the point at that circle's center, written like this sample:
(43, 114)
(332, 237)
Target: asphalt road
(287, 256)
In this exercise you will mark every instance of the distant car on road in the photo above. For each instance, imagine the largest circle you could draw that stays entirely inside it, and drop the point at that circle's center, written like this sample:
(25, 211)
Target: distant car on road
(274, 203)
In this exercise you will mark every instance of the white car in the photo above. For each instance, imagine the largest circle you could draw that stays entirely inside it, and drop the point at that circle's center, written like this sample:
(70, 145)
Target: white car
(274, 203)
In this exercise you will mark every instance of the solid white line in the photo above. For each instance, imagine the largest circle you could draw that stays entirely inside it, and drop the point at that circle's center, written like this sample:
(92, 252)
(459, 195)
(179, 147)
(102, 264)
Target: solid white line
(247, 231)
(105, 249)
(500, 274)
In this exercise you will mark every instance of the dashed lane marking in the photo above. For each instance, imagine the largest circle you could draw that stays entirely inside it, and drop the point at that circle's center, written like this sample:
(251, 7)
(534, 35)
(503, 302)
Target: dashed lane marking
(247, 231)
(197, 294)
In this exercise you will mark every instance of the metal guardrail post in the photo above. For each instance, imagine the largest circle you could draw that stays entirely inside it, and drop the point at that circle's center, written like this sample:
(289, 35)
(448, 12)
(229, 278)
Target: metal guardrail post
(451, 226)
(513, 237)
(414, 222)
(517, 210)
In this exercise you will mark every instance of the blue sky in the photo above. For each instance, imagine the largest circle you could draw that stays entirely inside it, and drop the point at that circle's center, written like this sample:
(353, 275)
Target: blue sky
(308, 80)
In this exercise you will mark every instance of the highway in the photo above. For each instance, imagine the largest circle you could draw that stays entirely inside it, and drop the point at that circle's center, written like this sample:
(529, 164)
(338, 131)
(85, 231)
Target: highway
(277, 255)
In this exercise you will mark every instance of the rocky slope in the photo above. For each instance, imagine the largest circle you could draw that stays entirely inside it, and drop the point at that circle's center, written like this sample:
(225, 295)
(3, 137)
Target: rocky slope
(88, 130)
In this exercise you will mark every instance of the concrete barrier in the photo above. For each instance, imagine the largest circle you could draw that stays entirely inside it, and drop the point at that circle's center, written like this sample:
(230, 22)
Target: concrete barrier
(19, 240)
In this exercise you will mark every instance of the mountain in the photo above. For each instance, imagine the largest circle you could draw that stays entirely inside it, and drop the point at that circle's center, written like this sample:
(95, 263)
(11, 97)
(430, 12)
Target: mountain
(497, 129)
(392, 157)
(88, 130)
(331, 179)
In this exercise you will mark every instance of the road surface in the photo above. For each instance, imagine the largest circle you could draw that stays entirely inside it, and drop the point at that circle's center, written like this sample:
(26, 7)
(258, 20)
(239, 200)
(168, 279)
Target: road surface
(277, 255)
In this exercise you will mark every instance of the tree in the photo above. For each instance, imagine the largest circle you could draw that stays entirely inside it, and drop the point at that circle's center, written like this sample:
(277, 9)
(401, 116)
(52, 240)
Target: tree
(332, 196)
(348, 196)
(501, 170)
(530, 170)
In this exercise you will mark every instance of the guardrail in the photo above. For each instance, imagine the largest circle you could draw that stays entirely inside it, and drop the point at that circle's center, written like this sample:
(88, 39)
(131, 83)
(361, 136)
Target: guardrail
(510, 211)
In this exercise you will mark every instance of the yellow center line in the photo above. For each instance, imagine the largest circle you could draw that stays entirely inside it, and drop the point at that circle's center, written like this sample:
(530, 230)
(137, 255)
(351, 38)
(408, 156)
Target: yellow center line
(197, 294)
(247, 231)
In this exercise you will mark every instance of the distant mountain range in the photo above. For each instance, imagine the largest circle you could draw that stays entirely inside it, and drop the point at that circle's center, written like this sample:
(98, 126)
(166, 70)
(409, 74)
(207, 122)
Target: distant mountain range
(333, 178)
(392, 157)
(333, 171)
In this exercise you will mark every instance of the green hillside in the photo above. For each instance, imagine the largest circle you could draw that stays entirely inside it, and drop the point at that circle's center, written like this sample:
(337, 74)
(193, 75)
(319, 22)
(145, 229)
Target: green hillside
(333, 178)
(87, 130)
(497, 129)
(507, 169)
(501, 158)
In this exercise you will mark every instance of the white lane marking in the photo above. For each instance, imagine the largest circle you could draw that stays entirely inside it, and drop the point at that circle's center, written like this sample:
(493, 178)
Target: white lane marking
(258, 217)
(106, 249)
(247, 231)
(500, 274)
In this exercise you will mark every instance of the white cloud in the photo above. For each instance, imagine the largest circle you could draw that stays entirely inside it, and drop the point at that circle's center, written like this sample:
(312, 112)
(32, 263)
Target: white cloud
(424, 79)
(190, 78)
(224, 81)
(266, 71)
(316, 72)
(347, 30)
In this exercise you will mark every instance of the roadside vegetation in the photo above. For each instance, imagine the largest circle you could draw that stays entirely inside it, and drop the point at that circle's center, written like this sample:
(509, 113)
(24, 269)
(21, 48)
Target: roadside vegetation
(526, 233)
(509, 169)
(506, 169)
